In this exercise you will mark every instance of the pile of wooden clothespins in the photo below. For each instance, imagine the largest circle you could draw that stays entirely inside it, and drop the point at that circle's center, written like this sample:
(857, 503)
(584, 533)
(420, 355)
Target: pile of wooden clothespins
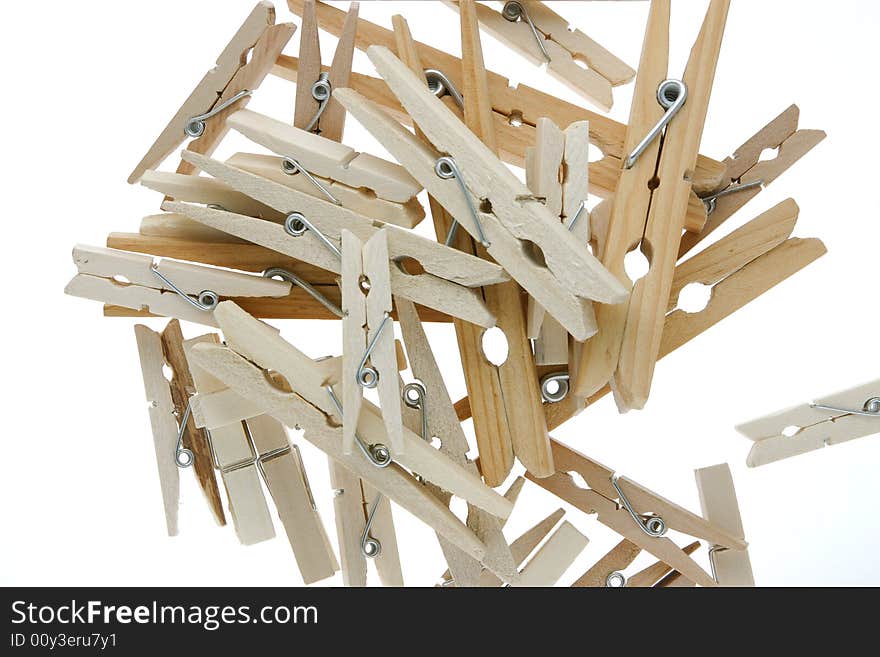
(321, 231)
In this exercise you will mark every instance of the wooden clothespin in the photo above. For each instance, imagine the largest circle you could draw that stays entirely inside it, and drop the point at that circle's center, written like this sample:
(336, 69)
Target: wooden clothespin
(543, 37)
(651, 205)
(365, 528)
(499, 211)
(609, 571)
(316, 110)
(169, 288)
(228, 85)
(248, 380)
(554, 557)
(748, 172)
(309, 154)
(363, 201)
(720, 507)
(234, 456)
(247, 445)
(430, 414)
(828, 421)
(634, 512)
(368, 358)
(428, 273)
(557, 169)
(516, 109)
(162, 420)
(195, 446)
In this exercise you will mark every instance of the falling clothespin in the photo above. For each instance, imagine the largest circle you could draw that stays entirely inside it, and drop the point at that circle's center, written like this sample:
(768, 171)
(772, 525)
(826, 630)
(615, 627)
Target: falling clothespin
(368, 358)
(634, 512)
(365, 529)
(430, 414)
(516, 109)
(173, 289)
(651, 204)
(543, 37)
(499, 211)
(240, 69)
(828, 421)
(749, 172)
(720, 507)
(316, 110)
(557, 170)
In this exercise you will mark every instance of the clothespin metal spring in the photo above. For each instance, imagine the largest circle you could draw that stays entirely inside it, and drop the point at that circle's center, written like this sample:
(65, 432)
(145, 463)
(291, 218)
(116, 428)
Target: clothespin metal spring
(870, 409)
(447, 169)
(207, 299)
(371, 547)
(367, 376)
(195, 127)
(615, 580)
(321, 91)
(308, 288)
(514, 11)
(672, 95)
(440, 85)
(555, 387)
(379, 455)
(183, 457)
(291, 167)
(653, 526)
(296, 225)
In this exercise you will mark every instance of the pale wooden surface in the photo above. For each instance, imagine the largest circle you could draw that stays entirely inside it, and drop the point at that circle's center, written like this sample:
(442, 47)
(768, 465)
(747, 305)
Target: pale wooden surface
(618, 560)
(326, 158)
(164, 427)
(554, 557)
(332, 121)
(262, 344)
(194, 439)
(248, 78)
(720, 507)
(310, 64)
(640, 346)
(206, 94)
(387, 564)
(654, 573)
(818, 428)
(354, 337)
(286, 480)
(407, 215)
(482, 378)
(247, 504)
(348, 504)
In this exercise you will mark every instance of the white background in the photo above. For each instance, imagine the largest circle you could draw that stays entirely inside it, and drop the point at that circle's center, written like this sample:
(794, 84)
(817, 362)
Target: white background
(89, 85)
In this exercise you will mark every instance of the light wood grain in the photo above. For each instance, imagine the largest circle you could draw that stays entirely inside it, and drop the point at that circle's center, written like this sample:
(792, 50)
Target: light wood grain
(332, 121)
(618, 560)
(310, 65)
(554, 557)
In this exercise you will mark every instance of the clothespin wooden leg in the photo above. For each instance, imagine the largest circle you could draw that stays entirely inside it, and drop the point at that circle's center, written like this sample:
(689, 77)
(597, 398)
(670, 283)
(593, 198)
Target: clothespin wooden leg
(162, 420)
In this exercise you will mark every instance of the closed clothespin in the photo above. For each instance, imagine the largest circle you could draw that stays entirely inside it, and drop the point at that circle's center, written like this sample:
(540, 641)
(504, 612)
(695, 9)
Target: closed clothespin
(650, 207)
(368, 358)
(516, 109)
(240, 69)
(498, 210)
(634, 512)
(720, 507)
(557, 169)
(543, 37)
(316, 110)
(169, 288)
(828, 421)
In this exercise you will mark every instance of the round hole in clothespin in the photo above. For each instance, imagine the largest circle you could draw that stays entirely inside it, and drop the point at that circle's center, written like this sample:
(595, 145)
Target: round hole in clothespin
(364, 285)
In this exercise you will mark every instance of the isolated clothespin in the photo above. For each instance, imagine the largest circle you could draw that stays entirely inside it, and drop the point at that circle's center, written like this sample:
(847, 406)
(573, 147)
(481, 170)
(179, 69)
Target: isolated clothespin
(309, 154)
(749, 171)
(368, 359)
(245, 376)
(316, 110)
(720, 507)
(557, 169)
(365, 528)
(240, 69)
(651, 204)
(634, 512)
(428, 273)
(516, 109)
(543, 37)
(162, 421)
(828, 421)
(430, 414)
(499, 211)
(170, 288)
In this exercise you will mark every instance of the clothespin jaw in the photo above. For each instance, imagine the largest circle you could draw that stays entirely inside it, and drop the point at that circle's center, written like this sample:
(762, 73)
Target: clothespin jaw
(720, 507)
(170, 288)
(828, 421)
(229, 84)
(369, 359)
(545, 38)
